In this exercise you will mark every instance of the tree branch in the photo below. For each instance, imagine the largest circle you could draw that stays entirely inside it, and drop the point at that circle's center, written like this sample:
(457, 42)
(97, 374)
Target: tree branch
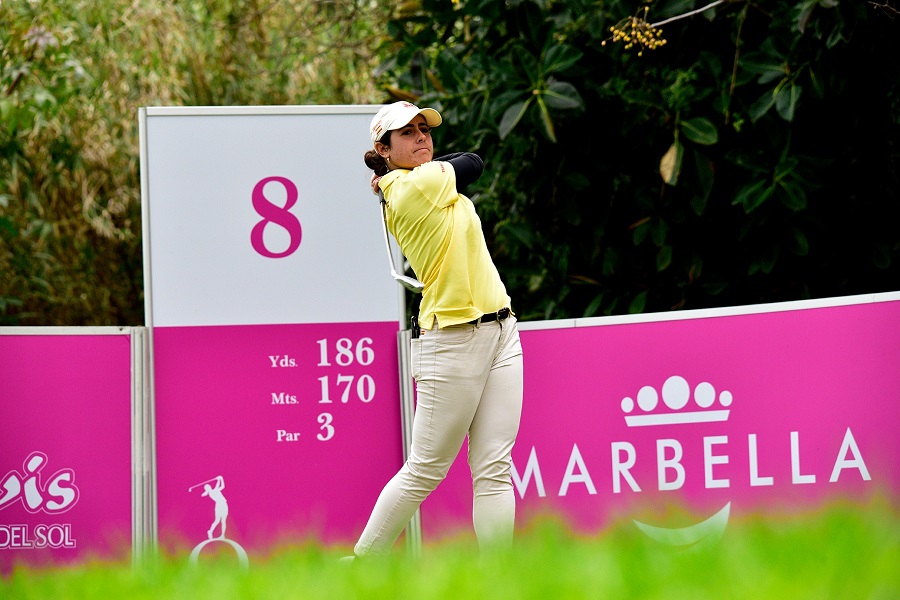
(688, 14)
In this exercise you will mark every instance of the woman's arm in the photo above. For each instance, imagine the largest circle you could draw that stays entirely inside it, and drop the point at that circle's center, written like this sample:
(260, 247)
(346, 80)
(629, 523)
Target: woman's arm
(467, 166)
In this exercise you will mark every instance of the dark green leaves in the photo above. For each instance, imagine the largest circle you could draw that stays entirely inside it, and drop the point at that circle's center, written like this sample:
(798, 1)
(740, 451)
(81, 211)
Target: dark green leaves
(700, 130)
(512, 116)
(753, 194)
(562, 96)
(755, 127)
(559, 58)
(786, 100)
(543, 93)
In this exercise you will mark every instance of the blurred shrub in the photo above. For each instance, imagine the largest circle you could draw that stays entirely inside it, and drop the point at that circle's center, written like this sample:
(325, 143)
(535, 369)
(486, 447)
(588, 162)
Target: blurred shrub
(751, 158)
(73, 75)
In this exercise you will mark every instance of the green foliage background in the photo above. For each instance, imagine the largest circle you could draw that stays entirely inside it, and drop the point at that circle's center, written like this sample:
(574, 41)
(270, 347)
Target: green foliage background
(73, 74)
(753, 158)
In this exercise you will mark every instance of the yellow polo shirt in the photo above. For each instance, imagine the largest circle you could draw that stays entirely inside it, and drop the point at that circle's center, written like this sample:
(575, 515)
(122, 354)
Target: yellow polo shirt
(440, 234)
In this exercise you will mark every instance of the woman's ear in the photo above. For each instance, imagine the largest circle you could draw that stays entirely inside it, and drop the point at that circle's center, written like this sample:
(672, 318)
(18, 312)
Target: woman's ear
(382, 150)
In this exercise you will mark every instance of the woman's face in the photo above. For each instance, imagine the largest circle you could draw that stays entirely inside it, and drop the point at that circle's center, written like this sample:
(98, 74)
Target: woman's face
(410, 146)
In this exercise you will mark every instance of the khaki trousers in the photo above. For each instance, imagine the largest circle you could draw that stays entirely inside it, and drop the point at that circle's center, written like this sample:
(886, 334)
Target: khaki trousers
(468, 382)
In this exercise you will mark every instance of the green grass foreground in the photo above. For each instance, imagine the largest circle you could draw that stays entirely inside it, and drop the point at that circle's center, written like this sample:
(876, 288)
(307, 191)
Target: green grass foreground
(840, 552)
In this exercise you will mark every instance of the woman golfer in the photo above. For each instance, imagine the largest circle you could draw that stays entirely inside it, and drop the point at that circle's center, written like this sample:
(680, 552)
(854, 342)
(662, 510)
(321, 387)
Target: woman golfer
(466, 356)
(215, 493)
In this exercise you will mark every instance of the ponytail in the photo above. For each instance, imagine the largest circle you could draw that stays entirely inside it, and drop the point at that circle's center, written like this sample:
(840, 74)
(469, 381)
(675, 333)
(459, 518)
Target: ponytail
(376, 162)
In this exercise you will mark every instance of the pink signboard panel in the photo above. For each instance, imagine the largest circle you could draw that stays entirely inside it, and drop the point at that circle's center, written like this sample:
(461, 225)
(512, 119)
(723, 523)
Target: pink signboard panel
(273, 434)
(721, 415)
(65, 448)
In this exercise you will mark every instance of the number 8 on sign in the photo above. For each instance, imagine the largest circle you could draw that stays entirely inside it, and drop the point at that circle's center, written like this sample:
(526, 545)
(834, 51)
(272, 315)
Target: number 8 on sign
(279, 215)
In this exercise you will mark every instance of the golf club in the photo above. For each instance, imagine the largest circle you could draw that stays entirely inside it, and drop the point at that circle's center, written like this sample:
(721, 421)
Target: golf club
(413, 285)
(190, 489)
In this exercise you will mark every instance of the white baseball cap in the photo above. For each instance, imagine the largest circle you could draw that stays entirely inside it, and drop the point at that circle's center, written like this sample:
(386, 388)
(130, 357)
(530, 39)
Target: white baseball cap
(399, 114)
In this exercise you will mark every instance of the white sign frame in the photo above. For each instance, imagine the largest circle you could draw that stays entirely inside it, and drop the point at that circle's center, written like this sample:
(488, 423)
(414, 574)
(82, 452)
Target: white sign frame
(199, 265)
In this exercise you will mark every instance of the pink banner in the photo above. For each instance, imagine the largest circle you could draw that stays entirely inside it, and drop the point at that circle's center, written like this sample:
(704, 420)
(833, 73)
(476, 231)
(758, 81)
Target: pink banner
(65, 448)
(721, 415)
(271, 434)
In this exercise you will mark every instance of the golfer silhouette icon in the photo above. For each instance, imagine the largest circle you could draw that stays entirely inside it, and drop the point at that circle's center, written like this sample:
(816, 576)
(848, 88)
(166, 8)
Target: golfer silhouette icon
(216, 495)
(214, 492)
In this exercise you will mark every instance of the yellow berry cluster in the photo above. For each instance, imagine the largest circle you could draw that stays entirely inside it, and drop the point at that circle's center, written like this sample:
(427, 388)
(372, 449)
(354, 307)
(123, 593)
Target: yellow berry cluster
(637, 31)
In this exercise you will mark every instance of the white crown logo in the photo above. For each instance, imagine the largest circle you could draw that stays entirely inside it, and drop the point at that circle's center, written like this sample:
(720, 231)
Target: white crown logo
(676, 393)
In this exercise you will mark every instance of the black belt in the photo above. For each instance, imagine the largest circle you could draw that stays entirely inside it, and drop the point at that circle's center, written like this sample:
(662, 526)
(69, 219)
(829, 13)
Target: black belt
(489, 317)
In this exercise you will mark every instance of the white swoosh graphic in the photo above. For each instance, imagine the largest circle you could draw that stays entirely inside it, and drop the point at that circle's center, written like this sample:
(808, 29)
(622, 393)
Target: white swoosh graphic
(708, 531)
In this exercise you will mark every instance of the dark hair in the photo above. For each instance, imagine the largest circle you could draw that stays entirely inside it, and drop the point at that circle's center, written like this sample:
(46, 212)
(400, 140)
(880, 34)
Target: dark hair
(374, 160)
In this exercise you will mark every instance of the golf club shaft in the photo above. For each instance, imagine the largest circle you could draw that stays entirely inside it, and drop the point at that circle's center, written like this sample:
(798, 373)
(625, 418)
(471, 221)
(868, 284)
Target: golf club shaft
(387, 241)
(409, 283)
(191, 489)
